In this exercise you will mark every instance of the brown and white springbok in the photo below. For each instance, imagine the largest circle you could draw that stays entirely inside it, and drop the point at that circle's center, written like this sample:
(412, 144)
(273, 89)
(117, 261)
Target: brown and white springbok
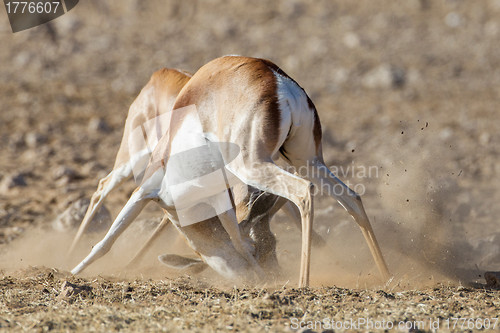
(146, 122)
(253, 105)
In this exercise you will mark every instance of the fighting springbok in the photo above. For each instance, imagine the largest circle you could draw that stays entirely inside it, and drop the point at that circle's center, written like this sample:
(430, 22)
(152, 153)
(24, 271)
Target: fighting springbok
(145, 123)
(253, 105)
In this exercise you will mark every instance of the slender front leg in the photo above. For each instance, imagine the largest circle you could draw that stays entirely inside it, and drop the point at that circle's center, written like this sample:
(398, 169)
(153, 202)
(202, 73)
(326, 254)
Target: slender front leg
(114, 179)
(268, 177)
(307, 222)
(134, 206)
(293, 213)
(322, 177)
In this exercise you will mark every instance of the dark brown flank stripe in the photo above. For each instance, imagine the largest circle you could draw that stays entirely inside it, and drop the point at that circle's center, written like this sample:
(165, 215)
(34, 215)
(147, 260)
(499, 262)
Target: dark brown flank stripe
(317, 125)
(317, 132)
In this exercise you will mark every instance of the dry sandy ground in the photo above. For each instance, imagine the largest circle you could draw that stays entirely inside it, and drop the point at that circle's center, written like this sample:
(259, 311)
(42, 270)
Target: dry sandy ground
(407, 93)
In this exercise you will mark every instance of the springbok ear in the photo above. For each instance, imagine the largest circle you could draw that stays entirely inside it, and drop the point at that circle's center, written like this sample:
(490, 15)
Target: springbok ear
(174, 261)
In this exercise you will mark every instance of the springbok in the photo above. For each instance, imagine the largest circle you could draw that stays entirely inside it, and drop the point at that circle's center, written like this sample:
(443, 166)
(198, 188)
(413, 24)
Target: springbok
(252, 104)
(146, 113)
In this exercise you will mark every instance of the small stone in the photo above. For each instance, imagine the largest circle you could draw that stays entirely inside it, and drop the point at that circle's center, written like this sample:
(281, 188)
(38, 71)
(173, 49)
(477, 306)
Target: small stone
(379, 77)
(453, 20)
(484, 138)
(34, 140)
(5, 217)
(446, 133)
(398, 77)
(22, 59)
(69, 290)
(384, 76)
(92, 168)
(11, 181)
(340, 76)
(97, 124)
(351, 40)
(71, 218)
(16, 142)
(491, 28)
(64, 171)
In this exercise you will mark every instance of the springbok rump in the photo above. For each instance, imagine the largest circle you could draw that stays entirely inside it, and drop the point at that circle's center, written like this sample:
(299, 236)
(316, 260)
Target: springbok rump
(253, 105)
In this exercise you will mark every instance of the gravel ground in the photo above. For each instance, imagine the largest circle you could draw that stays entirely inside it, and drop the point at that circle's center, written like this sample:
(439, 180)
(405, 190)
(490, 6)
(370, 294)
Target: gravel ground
(407, 93)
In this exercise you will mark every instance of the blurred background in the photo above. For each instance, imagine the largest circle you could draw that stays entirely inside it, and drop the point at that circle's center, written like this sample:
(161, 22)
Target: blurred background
(408, 88)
